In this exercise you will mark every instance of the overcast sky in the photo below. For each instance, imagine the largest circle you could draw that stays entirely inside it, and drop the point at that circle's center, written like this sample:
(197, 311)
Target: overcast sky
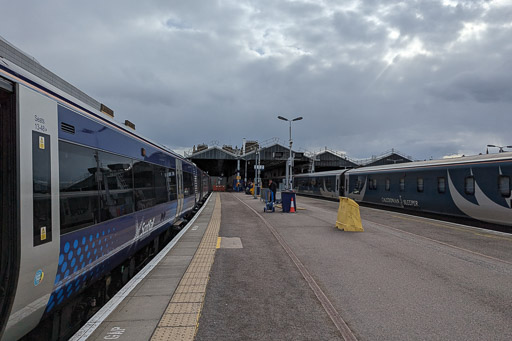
(428, 78)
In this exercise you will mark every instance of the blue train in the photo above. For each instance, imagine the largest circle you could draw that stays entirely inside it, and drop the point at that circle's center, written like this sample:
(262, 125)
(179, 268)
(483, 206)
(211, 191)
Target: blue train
(80, 193)
(476, 187)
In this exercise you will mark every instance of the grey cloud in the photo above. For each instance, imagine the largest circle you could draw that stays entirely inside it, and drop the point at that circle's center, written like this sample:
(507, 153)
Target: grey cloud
(488, 88)
(184, 72)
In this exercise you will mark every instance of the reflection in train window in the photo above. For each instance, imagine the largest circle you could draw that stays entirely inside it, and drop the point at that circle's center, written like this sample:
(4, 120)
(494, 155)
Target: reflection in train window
(359, 184)
(79, 205)
(188, 184)
(388, 184)
(441, 184)
(171, 179)
(504, 185)
(114, 174)
(144, 185)
(402, 184)
(469, 185)
(420, 184)
(160, 180)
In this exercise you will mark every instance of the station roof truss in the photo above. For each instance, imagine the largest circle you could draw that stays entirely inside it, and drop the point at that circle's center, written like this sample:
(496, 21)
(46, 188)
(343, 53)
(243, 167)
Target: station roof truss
(213, 153)
(390, 157)
(328, 159)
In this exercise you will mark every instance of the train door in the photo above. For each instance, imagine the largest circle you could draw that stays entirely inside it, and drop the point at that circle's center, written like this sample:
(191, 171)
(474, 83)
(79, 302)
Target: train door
(200, 183)
(343, 183)
(39, 231)
(196, 186)
(9, 231)
(179, 182)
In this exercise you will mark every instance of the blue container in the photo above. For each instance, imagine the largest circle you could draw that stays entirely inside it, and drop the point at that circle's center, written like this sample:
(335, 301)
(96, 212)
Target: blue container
(286, 198)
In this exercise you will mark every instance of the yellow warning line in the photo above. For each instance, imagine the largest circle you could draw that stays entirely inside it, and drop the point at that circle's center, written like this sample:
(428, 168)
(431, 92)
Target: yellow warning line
(218, 242)
(180, 319)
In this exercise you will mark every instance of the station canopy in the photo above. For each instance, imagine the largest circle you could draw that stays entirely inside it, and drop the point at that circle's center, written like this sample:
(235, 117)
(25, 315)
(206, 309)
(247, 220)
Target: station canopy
(223, 161)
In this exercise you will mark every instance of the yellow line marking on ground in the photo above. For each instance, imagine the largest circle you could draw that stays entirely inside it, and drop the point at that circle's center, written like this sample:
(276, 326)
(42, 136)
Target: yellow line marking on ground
(479, 233)
(218, 242)
(181, 318)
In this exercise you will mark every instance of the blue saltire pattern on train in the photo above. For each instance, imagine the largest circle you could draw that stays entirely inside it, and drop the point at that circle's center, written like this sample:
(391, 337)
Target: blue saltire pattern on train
(87, 253)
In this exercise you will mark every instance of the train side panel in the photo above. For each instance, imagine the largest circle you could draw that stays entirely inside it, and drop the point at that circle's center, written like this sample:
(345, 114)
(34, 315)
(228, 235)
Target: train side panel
(39, 209)
(479, 191)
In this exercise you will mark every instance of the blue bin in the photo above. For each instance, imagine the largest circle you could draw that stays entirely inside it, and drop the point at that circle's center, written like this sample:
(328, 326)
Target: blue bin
(286, 198)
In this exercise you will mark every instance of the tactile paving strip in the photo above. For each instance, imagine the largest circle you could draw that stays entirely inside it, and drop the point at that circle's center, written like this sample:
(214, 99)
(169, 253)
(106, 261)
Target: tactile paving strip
(180, 319)
(174, 333)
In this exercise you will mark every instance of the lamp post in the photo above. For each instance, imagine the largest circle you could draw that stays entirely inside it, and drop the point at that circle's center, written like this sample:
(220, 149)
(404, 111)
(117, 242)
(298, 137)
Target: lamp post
(289, 167)
(256, 173)
(500, 147)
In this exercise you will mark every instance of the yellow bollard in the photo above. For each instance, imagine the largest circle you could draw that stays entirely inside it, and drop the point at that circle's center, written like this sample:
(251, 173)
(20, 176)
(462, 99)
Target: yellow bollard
(349, 218)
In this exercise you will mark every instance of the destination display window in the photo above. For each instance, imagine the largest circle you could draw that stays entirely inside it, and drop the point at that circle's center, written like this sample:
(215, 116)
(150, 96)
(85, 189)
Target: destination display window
(469, 185)
(79, 202)
(441, 185)
(504, 185)
(420, 185)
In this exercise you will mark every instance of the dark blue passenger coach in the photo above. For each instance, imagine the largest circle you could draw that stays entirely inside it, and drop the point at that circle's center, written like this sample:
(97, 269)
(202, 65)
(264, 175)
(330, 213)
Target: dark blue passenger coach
(81, 194)
(476, 187)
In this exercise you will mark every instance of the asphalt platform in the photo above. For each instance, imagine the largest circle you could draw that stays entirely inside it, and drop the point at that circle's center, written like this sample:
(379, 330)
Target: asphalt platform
(295, 276)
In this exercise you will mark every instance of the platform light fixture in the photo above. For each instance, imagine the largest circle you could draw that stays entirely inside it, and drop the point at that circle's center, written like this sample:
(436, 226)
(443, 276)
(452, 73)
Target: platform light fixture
(500, 147)
(289, 164)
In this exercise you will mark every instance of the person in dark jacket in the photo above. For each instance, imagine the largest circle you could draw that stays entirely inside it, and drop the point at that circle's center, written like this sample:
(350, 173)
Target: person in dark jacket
(273, 187)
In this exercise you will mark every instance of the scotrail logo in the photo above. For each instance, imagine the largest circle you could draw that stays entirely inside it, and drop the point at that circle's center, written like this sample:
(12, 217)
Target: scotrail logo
(144, 227)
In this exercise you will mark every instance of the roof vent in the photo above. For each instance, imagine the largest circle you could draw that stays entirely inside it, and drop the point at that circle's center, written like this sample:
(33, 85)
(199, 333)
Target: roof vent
(129, 124)
(68, 128)
(106, 110)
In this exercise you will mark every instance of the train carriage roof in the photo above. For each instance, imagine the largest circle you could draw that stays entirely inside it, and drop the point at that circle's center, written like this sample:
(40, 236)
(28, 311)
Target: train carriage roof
(476, 159)
(27, 68)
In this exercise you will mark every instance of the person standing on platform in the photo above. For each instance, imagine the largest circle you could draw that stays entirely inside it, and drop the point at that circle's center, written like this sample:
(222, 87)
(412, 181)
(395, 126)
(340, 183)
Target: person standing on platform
(273, 187)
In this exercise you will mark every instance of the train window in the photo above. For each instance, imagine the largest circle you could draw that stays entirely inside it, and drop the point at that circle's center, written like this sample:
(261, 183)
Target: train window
(188, 184)
(144, 187)
(42, 188)
(171, 181)
(114, 174)
(441, 184)
(160, 181)
(420, 186)
(469, 185)
(359, 184)
(79, 204)
(372, 183)
(504, 185)
(402, 184)
(329, 183)
(388, 184)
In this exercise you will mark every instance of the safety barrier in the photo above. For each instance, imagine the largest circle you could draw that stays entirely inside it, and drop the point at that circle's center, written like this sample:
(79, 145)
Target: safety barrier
(349, 218)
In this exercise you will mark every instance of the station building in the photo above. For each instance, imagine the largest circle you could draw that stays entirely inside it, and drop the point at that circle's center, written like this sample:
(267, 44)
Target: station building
(224, 164)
